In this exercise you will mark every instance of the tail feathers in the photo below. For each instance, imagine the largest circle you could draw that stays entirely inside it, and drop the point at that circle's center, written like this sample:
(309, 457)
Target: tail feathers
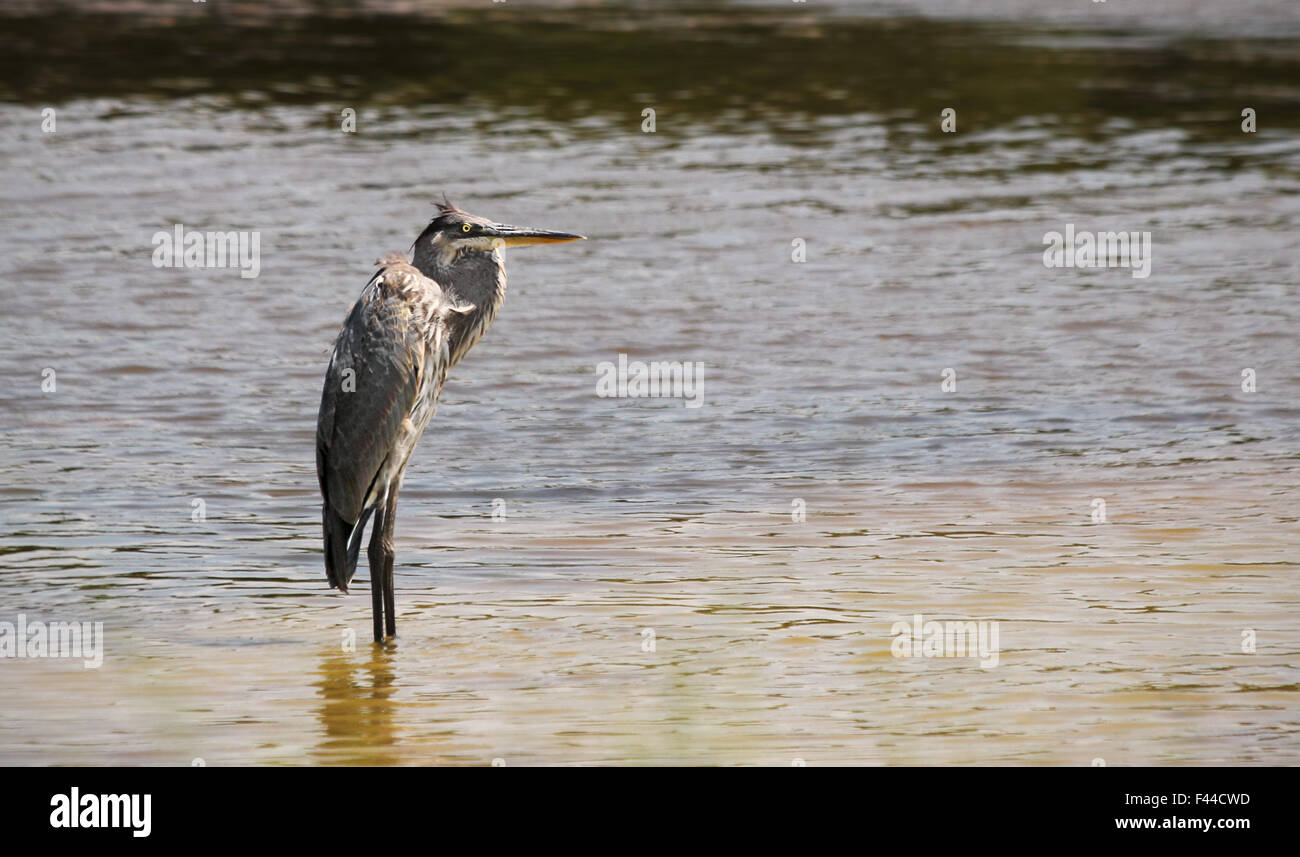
(354, 546)
(340, 563)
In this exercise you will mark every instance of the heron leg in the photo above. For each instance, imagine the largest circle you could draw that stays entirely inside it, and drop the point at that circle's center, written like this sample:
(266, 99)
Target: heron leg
(375, 553)
(390, 517)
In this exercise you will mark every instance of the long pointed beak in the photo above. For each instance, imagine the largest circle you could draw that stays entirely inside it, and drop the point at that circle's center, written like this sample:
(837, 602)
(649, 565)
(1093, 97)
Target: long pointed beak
(522, 236)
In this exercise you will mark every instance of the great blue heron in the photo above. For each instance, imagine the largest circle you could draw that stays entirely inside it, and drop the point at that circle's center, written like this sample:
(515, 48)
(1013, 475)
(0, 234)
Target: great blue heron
(413, 322)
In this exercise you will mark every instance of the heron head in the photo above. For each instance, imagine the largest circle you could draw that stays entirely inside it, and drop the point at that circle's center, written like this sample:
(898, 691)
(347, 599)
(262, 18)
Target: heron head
(452, 232)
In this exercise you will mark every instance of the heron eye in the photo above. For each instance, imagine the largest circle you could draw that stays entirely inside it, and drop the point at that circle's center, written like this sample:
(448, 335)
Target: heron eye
(465, 228)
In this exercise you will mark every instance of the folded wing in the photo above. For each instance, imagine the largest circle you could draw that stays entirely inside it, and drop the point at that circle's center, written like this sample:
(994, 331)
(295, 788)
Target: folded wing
(371, 386)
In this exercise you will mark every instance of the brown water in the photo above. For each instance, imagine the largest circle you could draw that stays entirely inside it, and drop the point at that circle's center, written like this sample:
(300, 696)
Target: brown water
(521, 639)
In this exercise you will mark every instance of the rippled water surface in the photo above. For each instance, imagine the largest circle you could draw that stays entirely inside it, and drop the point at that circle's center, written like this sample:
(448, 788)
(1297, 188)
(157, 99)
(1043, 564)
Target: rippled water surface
(522, 639)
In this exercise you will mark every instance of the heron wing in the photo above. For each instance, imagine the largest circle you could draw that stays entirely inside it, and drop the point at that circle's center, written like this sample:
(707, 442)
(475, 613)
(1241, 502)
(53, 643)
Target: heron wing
(371, 386)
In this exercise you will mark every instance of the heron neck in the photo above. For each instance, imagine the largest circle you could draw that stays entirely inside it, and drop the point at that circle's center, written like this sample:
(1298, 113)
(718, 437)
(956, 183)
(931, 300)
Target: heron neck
(477, 278)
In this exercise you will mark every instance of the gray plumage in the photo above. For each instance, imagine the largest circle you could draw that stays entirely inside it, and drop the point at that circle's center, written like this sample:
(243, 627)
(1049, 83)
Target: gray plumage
(391, 355)
(415, 319)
